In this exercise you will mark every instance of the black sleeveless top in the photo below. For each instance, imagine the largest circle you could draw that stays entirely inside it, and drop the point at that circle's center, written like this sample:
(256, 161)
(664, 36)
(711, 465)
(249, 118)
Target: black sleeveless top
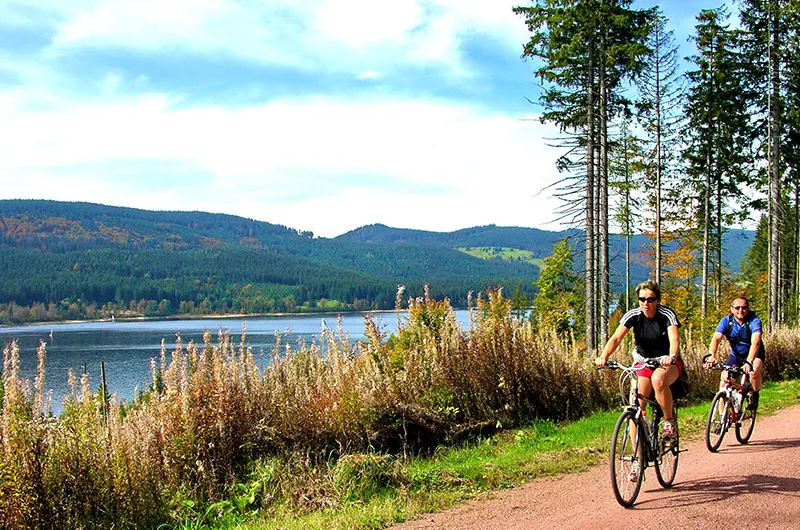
(650, 334)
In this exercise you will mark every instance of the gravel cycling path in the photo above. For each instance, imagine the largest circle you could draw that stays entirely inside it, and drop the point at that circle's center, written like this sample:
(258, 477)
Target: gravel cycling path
(740, 486)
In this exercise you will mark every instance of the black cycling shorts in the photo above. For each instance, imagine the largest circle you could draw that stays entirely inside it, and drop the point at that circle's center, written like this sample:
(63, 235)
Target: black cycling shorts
(733, 360)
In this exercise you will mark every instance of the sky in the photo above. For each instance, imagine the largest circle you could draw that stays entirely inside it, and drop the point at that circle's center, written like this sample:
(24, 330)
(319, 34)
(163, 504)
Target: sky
(322, 116)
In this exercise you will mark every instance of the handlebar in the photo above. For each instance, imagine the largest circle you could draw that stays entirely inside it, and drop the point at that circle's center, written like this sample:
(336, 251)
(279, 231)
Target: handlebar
(614, 365)
(628, 375)
(734, 370)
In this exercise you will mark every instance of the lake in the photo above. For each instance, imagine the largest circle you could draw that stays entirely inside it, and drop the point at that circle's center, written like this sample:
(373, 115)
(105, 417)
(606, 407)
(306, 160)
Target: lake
(126, 348)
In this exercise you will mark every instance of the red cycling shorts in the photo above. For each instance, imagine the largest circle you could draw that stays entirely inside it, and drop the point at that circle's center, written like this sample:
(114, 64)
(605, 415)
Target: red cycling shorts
(648, 372)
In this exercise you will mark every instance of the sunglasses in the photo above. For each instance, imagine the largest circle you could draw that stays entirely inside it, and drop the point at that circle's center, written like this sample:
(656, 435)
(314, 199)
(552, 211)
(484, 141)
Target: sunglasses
(650, 299)
(735, 308)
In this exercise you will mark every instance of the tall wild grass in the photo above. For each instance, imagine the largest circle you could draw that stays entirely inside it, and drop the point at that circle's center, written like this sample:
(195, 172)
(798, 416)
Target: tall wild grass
(216, 433)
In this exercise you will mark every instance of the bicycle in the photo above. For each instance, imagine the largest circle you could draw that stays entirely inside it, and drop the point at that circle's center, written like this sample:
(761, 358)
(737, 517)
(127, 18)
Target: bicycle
(730, 406)
(637, 441)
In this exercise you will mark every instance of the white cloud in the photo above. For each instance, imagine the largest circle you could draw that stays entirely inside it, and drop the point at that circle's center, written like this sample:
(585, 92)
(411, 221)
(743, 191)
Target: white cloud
(326, 34)
(327, 163)
(360, 24)
(293, 162)
(369, 74)
(88, 117)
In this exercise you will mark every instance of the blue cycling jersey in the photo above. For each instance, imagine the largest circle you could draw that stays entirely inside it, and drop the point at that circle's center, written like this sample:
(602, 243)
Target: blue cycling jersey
(740, 334)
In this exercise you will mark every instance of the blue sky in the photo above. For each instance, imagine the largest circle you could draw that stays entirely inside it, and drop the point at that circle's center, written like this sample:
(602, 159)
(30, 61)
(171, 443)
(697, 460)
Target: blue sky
(323, 117)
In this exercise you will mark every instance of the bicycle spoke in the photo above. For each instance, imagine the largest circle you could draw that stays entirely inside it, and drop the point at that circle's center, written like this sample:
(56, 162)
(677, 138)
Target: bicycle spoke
(744, 428)
(626, 452)
(668, 453)
(717, 422)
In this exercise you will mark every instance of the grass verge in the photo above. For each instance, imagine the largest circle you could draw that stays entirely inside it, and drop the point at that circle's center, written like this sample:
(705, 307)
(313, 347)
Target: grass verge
(475, 469)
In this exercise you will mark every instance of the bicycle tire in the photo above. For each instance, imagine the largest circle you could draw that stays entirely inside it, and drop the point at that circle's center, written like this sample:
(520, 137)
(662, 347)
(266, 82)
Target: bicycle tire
(717, 422)
(625, 449)
(744, 427)
(667, 453)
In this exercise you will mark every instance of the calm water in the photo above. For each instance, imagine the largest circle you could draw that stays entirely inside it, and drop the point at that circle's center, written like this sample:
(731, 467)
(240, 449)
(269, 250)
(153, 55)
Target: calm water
(126, 348)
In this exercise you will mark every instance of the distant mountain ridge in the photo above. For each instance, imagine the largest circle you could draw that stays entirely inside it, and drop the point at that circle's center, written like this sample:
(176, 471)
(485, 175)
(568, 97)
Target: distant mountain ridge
(78, 259)
(539, 242)
(81, 222)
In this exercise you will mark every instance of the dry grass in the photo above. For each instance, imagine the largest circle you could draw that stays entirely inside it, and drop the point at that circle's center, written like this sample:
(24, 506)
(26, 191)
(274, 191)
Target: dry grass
(216, 435)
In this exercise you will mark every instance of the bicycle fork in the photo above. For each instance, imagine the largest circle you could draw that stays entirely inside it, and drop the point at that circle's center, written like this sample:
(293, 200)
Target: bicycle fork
(639, 433)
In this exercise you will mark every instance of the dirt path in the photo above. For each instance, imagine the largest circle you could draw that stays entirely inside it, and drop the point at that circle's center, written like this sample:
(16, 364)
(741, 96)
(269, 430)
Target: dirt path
(726, 489)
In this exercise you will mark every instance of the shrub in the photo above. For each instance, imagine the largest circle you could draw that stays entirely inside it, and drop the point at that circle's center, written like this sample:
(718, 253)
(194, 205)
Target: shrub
(323, 424)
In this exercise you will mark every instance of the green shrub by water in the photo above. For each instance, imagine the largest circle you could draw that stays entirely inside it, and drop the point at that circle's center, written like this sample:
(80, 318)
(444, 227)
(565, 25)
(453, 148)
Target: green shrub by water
(323, 425)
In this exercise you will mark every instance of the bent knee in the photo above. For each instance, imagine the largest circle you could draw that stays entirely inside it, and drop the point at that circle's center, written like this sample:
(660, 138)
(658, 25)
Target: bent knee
(660, 384)
(663, 380)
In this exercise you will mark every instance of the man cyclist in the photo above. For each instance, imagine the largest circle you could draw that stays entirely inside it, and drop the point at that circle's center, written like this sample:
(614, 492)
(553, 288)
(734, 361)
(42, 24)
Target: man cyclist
(742, 328)
(655, 332)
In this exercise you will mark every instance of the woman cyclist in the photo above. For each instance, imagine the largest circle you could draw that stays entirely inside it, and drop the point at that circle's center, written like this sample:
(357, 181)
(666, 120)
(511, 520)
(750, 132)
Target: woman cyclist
(743, 331)
(655, 331)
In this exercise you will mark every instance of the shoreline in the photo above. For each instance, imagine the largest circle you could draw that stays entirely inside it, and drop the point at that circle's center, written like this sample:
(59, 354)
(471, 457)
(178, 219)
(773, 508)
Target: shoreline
(179, 317)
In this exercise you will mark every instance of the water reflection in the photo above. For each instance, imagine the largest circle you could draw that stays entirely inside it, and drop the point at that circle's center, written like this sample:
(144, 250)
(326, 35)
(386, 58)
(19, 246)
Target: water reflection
(126, 348)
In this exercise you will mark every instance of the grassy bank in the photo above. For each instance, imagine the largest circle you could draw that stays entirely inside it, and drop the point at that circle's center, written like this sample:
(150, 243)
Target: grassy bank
(475, 469)
(332, 433)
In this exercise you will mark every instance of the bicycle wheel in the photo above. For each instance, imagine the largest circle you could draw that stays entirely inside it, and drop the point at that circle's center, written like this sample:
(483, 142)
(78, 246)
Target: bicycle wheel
(744, 428)
(717, 422)
(627, 448)
(667, 452)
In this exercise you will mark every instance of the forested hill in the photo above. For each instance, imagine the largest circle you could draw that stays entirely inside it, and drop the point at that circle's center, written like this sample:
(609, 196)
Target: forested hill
(80, 260)
(538, 242)
(58, 226)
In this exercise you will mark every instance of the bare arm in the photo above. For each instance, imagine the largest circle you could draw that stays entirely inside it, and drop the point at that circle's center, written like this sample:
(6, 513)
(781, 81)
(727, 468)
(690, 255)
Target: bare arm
(712, 348)
(611, 345)
(674, 341)
(674, 346)
(755, 343)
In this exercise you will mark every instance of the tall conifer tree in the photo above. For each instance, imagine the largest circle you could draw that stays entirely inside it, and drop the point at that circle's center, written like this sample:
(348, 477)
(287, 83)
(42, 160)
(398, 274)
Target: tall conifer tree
(588, 49)
(661, 96)
(627, 166)
(771, 29)
(718, 138)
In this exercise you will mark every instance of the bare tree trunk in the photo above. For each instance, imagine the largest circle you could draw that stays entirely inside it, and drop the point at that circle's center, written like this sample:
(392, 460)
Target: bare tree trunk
(774, 182)
(627, 235)
(591, 342)
(627, 264)
(795, 290)
(627, 220)
(706, 222)
(598, 193)
(659, 163)
(720, 229)
(774, 241)
(658, 87)
(604, 276)
(710, 164)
